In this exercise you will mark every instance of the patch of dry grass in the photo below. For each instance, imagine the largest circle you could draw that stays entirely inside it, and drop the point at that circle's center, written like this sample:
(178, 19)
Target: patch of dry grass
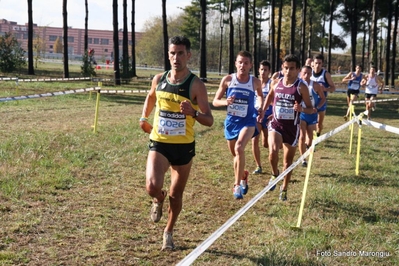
(72, 197)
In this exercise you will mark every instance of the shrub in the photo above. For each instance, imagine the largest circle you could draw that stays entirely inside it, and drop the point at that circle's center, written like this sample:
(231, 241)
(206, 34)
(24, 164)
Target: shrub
(11, 54)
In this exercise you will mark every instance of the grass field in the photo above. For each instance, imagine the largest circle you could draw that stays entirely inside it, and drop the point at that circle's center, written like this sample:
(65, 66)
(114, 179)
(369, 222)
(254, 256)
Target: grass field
(72, 197)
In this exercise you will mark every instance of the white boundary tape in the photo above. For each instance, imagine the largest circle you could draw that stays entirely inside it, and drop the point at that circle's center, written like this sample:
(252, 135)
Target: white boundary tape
(379, 100)
(25, 97)
(190, 258)
(124, 91)
(381, 126)
(45, 79)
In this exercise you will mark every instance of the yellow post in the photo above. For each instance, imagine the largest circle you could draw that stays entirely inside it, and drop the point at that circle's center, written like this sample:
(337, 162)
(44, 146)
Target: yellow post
(352, 109)
(305, 186)
(96, 113)
(359, 137)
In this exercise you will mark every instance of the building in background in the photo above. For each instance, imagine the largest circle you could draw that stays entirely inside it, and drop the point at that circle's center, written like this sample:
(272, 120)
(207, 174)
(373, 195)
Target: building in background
(101, 41)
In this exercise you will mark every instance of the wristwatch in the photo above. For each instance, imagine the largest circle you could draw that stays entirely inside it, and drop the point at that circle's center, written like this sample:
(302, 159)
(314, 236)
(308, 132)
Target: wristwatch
(196, 114)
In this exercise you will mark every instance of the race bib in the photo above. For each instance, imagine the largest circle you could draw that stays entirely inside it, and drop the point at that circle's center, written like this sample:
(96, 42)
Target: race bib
(238, 108)
(171, 123)
(355, 86)
(286, 113)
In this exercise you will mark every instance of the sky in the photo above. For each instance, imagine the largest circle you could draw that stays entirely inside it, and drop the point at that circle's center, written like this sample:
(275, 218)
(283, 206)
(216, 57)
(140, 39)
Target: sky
(49, 12)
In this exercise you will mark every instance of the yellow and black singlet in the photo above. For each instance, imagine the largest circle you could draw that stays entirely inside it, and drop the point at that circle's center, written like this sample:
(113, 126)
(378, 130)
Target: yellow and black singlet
(171, 126)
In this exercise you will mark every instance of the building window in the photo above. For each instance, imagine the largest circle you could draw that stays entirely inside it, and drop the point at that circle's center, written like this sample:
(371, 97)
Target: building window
(71, 39)
(89, 40)
(104, 41)
(51, 47)
(52, 38)
(106, 50)
(96, 40)
(25, 36)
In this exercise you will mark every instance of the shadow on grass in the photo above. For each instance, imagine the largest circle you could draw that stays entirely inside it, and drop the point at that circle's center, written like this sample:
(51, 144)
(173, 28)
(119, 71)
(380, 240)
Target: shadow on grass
(368, 214)
(268, 258)
(367, 181)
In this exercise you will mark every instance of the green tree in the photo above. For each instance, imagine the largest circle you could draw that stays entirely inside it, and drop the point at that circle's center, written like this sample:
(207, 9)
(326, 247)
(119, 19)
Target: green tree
(39, 48)
(57, 47)
(87, 68)
(149, 49)
(191, 26)
(11, 54)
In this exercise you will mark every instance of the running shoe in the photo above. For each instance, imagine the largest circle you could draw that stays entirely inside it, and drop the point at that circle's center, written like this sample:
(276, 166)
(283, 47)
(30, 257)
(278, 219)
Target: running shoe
(258, 170)
(283, 194)
(168, 241)
(270, 181)
(304, 163)
(244, 183)
(156, 209)
(237, 192)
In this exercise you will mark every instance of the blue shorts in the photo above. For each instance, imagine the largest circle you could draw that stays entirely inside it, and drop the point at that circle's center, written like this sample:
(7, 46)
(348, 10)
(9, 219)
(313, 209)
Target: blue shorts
(323, 108)
(310, 119)
(232, 130)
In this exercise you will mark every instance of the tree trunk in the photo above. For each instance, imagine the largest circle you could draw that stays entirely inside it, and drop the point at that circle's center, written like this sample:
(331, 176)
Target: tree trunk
(364, 45)
(221, 40)
(330, 35)
(310, 33)
(255, 31)
(353, 17)
(246, 24)
(133, 74)
(65, 19)
(293, 26)
(203, 41)
(388, 44)
(273, 37)
(280, 17)
(165, 36)
(231, 39)
(323, 35)
(125, 43)
(31, 70)
(395, 34)
(117, 75)
(373, 46)
(86, 38)
(303, 32)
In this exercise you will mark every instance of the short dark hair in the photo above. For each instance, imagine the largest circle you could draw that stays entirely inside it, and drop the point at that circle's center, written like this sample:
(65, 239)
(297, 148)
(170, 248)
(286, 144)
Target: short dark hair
(319, 56)
(265, 63)
(307, 67)
(181, 40)
(292, 58)
(359, 65)
(245, 54)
